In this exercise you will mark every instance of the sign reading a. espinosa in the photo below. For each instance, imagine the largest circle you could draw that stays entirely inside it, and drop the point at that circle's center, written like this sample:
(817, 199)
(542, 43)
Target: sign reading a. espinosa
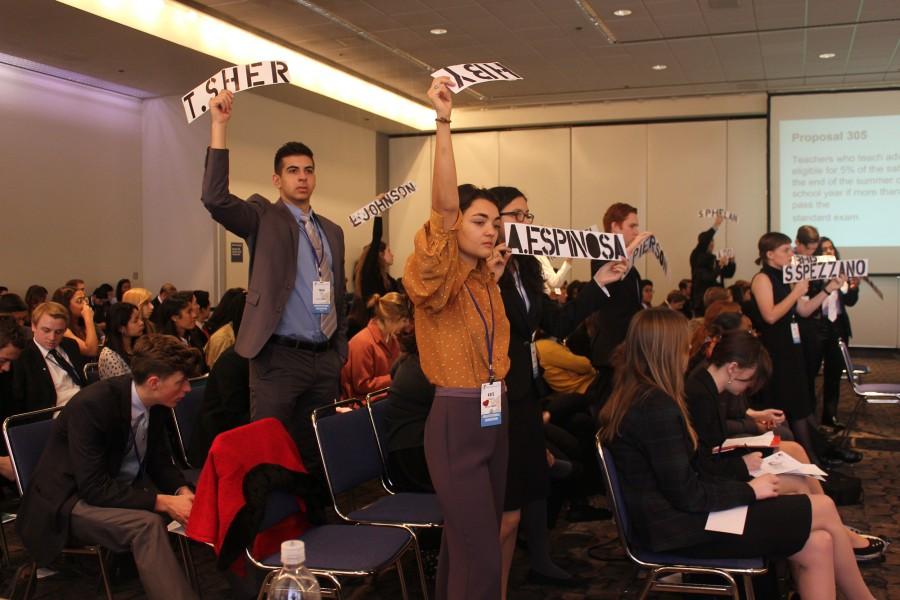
(469, 74)
(651, 244)
(813, 270)
(382, 203)
(535, 240)
(236, 79)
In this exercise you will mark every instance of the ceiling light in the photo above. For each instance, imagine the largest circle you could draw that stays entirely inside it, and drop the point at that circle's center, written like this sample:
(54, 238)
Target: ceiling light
(185, 26)
(622, 12)
(827, 55)
(437, 31)
(659, 67)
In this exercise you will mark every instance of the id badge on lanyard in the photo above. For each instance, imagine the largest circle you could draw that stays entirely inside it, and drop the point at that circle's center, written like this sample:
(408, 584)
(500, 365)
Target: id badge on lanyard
(795, 332)
(321, 297)
(491, 400)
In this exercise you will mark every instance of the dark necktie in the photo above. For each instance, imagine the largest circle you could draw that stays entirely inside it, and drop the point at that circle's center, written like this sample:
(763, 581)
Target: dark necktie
(64, 364)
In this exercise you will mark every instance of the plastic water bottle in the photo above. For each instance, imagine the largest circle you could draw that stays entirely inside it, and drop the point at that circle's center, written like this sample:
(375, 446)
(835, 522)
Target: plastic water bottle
(294, 581)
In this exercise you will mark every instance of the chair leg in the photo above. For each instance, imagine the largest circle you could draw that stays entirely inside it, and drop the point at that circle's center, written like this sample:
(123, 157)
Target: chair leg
(336, 590)
(4, 561)
(748, 588)
(651, 579)
(421, 563)
(403, 591)
(104, 576)
(264, 588)
(187, 561)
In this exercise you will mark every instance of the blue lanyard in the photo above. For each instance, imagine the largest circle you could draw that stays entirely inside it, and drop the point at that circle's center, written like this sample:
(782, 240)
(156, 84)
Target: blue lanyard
(488, 337)
(318, 261)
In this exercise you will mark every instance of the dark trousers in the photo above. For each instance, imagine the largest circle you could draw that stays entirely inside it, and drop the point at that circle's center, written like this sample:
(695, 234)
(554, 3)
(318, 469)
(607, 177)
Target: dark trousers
(289, 384)
(467, 463)
(833, 369)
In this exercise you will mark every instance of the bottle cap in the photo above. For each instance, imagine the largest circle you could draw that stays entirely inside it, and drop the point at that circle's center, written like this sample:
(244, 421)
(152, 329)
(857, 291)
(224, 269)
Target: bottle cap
(293, 552)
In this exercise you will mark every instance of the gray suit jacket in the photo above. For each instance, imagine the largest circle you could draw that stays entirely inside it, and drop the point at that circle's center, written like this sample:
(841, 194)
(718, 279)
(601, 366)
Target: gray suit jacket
(272, 234)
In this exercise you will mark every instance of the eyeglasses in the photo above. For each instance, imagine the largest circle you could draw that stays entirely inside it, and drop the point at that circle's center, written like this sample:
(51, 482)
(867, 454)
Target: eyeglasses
(520, 215)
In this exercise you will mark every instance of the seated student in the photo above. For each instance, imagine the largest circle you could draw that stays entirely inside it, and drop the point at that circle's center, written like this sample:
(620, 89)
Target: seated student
(81, 327)
(647, 429)
(49, 371)
(34, 295)
(165, 291)
(704, 333)
(12, 305)
(141, 298)
(107, 476)
(203, 312)
(175, 317)
(372, 351)
(195, 338)
(737, 362)
(740, 291)
(646, 293)
(409, 402)
(676, 301)
(125, 326)
(564, 371)
(122, 286)
(12, 342)
(371, 276)
(226, 403)
(101, 300)
(224, 324)
(710, 297)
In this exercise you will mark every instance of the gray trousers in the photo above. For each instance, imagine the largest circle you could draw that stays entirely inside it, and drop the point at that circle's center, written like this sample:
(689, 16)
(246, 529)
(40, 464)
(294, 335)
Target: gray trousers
(289, 384)
(467, 463)
(144, 534)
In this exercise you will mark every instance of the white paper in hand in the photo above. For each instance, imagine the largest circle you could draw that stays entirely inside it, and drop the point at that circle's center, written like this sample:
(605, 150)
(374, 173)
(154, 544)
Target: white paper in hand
(732, 520)
(469, 74)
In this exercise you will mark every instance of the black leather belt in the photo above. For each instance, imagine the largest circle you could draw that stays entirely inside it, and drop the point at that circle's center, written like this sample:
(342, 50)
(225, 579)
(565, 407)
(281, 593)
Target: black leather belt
(283, 340)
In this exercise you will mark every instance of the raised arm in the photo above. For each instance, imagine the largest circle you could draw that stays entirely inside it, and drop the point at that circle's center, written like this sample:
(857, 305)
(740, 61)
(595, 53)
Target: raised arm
(444, 194)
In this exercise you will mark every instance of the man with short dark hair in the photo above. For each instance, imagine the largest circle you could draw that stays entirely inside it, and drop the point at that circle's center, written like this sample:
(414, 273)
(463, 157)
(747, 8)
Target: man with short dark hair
(685, 286)
(76, 283)
(107, 471)
(293, 329)
(646, 293)
(676, 301)
(12, 342)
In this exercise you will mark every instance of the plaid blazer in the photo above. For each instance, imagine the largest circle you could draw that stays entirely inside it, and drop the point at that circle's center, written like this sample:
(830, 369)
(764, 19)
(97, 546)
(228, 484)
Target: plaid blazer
(667, 498)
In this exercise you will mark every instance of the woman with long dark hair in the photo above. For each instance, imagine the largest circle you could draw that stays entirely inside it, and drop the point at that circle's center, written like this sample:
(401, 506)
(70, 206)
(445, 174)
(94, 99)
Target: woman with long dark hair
(648, 430)
(81, 319)
(124, 327)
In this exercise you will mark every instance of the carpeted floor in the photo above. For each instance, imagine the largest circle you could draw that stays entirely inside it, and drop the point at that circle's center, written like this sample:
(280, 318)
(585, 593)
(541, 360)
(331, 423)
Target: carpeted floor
(591, 550)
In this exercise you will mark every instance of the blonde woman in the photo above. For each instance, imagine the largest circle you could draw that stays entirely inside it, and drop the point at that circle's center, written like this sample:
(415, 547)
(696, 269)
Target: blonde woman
(143, 299)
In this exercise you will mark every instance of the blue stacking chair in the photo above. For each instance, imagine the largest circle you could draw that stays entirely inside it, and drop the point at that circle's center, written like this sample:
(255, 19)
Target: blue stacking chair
(186, 415)
(26, 436)
(351, 457)
(660, 564)
(335, 551)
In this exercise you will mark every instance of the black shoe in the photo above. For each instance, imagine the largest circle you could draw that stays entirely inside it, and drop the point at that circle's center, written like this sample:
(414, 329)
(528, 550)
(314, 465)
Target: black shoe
(833, 423)
(844, 455)
(874, 551)
(535, 578)
(586, 512)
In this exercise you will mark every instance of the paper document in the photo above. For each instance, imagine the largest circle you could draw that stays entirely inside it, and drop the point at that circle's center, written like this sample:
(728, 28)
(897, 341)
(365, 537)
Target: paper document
(176, 528)
(766, 440)
(781, 463)
(728, 521)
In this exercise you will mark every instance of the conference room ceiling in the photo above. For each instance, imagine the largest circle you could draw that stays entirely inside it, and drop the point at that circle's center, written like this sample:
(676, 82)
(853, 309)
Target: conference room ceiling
(559, 46)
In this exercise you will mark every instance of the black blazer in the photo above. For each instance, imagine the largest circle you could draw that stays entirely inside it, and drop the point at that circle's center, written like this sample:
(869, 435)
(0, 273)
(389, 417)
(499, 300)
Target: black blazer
(668, 499)
(33, 387)
(623, 304)
(705, 269)
(81, 460)
(842, 323)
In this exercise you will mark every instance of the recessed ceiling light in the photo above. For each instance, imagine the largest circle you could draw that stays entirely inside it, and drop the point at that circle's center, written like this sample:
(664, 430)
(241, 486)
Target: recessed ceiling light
(659, 67)
(622, 12)
(827, 55)
(437, 31)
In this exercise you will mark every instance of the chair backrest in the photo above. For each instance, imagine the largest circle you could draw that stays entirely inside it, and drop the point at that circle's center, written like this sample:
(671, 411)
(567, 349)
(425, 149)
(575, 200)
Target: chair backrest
(347, 445)
(91, 373)
(848, 364)
(186, 413)
(615, 497)
(378, 417)
(26, 436)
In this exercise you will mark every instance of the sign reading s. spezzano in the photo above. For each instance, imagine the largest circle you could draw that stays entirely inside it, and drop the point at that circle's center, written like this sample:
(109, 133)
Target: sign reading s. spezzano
(536, 240)
(857, 267)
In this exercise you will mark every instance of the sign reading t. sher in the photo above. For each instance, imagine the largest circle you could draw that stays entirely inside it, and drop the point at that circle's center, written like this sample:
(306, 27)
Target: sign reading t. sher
(469, 74)
(536, 240)
(858, 267)
(236, 79)
(382, 203)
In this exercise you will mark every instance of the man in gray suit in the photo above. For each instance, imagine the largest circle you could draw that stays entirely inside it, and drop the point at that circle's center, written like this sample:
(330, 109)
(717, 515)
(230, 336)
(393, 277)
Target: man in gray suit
(293, 329)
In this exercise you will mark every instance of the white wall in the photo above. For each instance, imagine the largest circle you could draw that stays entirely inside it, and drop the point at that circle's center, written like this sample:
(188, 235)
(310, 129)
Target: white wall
(71, 182)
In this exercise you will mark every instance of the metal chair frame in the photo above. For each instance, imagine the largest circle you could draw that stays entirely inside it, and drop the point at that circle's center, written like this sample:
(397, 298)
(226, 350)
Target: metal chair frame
(182, 444)
(656, 570)
(411, 527)
(377, 396)
(91, 372)
(869, 396)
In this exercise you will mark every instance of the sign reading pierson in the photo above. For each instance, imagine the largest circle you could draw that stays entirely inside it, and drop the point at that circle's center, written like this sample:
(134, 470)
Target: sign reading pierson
(236, 79)
(651, 244)
(857, 267)
(469, 74)
(535, 240)
(382, 203)
(717, 212)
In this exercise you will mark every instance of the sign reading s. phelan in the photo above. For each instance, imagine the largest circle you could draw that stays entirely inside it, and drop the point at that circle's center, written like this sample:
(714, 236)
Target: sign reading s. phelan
(858, 267)
(382, 203)
(469, 74)
(536, 240)
(717, 212)
(651, 244)
(236, 79)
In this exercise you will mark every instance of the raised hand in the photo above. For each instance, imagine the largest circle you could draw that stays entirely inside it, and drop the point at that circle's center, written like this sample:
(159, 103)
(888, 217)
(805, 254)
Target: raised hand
(220, 106)
(719, 220)
(611, 272)
(498, 260)
(441, 97)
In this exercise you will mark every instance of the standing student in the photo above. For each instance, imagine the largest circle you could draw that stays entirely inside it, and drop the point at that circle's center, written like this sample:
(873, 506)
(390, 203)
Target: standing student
(707, 270)
(775, 309)
(292, 330)
(463, 338)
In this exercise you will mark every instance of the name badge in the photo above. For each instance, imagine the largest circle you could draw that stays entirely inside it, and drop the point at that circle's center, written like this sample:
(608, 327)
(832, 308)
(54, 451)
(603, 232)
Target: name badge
(321, 297)
(491, 405)
(795, 332)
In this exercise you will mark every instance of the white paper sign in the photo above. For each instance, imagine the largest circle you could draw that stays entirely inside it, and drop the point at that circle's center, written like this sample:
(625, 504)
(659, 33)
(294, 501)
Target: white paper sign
(651, 244)
(732, 520)
(236, 79)
(535, 240)
(469, 74)
(781, 463)
(706, 213)
(382, 203)
(724, 253)
(857, 267)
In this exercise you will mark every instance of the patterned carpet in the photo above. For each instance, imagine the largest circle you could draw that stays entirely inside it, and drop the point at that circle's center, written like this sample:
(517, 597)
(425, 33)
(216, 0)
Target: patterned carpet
(591, 550)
